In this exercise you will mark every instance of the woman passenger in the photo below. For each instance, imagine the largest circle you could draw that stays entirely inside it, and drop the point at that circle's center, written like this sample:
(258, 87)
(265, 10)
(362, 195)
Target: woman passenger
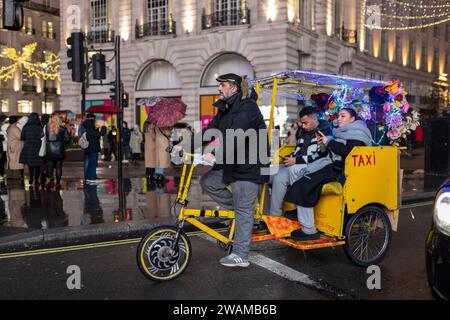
(305, 193)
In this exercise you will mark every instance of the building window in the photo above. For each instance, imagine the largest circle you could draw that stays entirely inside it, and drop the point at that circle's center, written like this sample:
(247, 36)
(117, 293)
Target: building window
(100, 26)
(412, 53)
(369, 41)
(44, 29)
(51, 34)
(384, 47)
(25, 106)
(398, 50)
(4, 103)
(424, 61)
(47, 107)
(2, 50)
(338, 16)
(157, 10)
(28, 26)
(436, 61)
(159, 22)
(228, 11)
(99, 15)
(303, 12)
(159, 75)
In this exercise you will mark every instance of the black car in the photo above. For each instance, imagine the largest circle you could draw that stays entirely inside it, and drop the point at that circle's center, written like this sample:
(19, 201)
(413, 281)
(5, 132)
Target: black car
(438, 245)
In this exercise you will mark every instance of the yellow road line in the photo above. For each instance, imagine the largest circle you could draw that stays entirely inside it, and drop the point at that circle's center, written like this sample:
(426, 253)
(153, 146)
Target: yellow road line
(81, 247)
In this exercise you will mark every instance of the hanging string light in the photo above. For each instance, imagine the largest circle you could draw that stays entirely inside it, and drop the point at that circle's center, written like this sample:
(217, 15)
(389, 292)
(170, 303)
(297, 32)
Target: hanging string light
(421, 5)
(47, 70)
(396, 13)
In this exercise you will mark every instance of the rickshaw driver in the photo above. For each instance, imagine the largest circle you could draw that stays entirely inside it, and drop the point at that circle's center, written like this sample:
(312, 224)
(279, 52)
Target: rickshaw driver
(238, 110)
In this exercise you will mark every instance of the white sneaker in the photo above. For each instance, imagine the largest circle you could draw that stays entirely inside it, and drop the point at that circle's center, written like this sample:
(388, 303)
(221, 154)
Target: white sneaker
(233, 260)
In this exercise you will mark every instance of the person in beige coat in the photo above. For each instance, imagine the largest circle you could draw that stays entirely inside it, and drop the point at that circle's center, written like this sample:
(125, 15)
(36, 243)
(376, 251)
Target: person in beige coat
(156, 157)
(15, 146)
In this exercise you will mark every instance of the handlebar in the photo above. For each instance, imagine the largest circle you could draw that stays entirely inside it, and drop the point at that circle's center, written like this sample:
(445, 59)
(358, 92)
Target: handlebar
(182, 153)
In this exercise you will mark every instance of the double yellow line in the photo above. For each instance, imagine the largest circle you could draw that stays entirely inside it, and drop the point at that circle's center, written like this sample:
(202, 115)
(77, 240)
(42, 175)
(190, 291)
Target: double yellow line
(126, 242)
(81, 247)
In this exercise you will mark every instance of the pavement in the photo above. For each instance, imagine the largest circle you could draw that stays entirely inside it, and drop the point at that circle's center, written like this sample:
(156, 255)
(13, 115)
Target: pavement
(33, 219)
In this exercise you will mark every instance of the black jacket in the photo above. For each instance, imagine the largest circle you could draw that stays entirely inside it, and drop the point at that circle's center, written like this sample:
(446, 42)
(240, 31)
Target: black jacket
(307, 150)
(93, 136)
(31, 135)
(55, 148)
(239, 113)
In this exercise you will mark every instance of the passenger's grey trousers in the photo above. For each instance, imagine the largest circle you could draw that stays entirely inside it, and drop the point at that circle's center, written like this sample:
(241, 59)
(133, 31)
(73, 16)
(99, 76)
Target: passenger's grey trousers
(285, 177)
(241, 200)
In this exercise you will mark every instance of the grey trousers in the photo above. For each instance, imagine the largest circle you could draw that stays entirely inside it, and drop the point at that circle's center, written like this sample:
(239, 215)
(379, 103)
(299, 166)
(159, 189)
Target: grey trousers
(285, 177)
(306, 218)
(241, 200)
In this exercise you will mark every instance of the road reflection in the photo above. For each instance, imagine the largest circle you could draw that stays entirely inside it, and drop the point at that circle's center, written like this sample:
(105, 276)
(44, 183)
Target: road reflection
(77, 204)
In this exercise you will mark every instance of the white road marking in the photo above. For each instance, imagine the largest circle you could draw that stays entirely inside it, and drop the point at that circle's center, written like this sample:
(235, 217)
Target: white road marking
(277, 268)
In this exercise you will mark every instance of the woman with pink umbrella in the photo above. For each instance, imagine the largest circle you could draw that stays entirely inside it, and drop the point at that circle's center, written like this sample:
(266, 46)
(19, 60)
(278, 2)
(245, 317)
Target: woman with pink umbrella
(163, 115)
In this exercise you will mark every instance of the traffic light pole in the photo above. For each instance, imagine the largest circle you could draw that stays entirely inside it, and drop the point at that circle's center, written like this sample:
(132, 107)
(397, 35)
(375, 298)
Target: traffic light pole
(118, 103)
(83, 99)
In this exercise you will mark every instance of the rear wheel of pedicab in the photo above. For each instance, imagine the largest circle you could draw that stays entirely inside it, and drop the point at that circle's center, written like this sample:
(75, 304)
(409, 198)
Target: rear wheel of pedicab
(368, 235)
(161, 259)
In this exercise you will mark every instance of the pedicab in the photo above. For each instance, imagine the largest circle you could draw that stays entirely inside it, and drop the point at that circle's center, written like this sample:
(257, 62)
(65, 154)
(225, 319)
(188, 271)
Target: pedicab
(359, 215)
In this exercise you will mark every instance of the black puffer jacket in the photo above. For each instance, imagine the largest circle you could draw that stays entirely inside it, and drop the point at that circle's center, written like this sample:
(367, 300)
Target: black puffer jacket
(93, 136)
(31, 135)
(239, 113)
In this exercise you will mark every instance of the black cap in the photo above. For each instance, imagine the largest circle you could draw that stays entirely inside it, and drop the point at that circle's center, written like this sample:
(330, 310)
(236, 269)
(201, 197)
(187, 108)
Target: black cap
(230, 77)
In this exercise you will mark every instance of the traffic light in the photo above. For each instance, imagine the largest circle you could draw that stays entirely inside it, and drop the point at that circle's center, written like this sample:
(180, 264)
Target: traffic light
(77, 54)
(12, 14)
(99, 66)
(113, 90)
(125, 100)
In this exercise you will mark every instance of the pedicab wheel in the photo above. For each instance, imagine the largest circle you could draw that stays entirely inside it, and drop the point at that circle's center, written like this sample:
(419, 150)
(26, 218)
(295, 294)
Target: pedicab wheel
(368, 235)
(159, 258)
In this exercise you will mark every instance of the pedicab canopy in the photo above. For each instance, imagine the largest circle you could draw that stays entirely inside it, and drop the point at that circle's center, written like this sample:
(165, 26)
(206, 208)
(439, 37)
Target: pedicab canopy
(382, 105)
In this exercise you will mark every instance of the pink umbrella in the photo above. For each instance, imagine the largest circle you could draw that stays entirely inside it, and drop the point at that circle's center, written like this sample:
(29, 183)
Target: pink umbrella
(167, 112)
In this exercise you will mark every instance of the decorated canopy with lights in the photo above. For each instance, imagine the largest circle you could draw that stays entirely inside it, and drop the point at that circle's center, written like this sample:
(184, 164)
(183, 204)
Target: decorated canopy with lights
(383, 105)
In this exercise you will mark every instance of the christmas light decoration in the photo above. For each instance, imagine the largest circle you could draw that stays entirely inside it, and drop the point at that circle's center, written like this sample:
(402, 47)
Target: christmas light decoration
(396, 13)
(47, 70)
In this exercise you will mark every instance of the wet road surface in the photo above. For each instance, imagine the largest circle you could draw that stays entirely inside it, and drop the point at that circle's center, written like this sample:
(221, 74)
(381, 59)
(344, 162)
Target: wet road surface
(112, 273)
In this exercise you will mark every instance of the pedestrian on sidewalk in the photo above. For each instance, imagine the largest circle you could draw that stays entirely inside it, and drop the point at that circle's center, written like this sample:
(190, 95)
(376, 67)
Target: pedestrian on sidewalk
(31, 136)
(44, 170)
(157, 140)
(135, 143)
(56, 137)
(111, 137)
(4, 145)
(91, 153)
(15, 146)
(126, 137)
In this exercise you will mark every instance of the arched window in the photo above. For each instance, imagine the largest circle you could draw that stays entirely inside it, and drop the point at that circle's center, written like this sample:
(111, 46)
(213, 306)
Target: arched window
(226, 63)
(346, 69)
(159, 75)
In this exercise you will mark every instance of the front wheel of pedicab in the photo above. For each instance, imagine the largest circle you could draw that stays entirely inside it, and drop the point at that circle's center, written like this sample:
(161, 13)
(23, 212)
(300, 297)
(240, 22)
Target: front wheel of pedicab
(368, 236)
(161, 259)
